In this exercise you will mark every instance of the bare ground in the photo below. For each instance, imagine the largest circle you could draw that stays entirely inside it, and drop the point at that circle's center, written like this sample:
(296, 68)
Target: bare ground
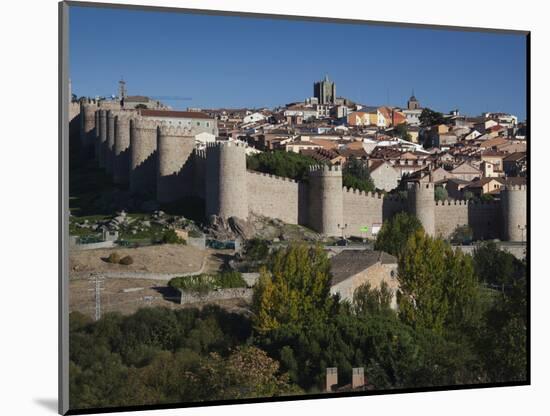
(159, 259)
(126, 296)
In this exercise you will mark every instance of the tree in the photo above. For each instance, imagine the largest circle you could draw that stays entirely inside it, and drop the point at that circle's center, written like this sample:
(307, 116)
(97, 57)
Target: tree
(495, 266)
(286, 164)
(401, 131)
(356, 175)
(440, 193)
(294, 288)
(394, 234)
(367, 300)
(429, 118)
(438, 286)
(503, 341)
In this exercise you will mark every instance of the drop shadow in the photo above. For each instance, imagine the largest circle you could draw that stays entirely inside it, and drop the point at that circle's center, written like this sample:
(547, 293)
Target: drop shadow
(49, 404)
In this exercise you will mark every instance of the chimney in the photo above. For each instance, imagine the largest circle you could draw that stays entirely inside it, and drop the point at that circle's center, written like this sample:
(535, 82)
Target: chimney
(357, 377)
(332, 378)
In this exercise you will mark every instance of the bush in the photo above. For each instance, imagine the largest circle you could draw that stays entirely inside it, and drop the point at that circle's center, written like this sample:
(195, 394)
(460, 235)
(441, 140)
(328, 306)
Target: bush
(204, 283)
(126, 261)
(171, 237)
(257, 249)
(286, 164)
(113, 258)
(463, 234)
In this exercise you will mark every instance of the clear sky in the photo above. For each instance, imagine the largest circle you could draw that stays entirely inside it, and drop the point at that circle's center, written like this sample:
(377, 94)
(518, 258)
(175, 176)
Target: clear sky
(223, 61)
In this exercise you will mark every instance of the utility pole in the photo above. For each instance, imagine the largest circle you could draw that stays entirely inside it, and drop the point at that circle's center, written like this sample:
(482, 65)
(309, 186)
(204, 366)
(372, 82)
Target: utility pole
(97, 287)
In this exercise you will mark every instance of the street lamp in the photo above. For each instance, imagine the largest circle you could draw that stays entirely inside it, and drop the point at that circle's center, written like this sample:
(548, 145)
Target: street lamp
(522, 228)
(343, 227)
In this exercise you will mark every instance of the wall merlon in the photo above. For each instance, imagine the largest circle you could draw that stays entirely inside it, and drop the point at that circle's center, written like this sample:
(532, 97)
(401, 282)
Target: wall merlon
(143, 124)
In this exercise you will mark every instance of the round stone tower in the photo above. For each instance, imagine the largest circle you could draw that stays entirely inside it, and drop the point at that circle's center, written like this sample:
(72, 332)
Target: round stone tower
(121, 160)
(326, 200)
(226, 180)
(143, 156)
(514, 211)
(174, 146)
(87, 125)
(422, 204)
(110, 143)
(102, 143)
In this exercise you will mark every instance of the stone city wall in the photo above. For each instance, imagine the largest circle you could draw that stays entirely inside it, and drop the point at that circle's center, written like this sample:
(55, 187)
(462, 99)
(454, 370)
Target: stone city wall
(157, 159)
(275, 197)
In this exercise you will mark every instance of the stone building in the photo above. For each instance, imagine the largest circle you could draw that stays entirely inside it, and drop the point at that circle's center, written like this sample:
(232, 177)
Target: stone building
(352, 268)
(325, 91)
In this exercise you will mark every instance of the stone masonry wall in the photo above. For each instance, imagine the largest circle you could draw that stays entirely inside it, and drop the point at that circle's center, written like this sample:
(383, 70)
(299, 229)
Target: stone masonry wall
(448, 216)
(361, 209)
(275, 197)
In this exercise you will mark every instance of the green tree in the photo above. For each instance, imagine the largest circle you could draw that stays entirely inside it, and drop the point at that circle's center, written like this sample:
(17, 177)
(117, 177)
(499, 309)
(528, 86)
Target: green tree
(401, 131)
(286, 164)
(356, 175)
(503, 341)
(394, 234)
(368, 300)
(438, 286)
(440, 193)
(495, 266)
(294, 288)
(429, 117)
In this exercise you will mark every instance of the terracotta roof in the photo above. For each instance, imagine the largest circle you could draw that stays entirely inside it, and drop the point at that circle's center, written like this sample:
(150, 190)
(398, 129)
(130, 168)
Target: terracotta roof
(513, 157)
(174, 114)
(350, 262)
(484, 181)
(515, 180)
(493, 142)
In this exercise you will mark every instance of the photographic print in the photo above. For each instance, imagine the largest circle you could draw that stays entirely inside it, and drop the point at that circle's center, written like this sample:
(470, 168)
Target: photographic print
(279, 207)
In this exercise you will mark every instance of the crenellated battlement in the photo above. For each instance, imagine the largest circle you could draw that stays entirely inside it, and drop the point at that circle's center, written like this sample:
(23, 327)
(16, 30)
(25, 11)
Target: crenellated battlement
(423, 185)
(126, 115)
(515, 188)
(221, 144)
(325, 170)
(449, 202)
(200, 153)
(174, 131)
(354, 191)
(270, 176)
(145, 124)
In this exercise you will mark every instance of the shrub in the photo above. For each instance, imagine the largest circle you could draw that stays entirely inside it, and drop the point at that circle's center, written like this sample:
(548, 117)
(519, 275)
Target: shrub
(171, 237)
(463, 234)
(204, 283)
(257, 249)
(126, 261)
(113, 258)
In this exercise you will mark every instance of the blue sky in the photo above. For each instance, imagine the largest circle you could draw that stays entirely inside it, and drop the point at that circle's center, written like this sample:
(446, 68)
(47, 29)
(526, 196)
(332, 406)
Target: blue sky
(223, 61)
